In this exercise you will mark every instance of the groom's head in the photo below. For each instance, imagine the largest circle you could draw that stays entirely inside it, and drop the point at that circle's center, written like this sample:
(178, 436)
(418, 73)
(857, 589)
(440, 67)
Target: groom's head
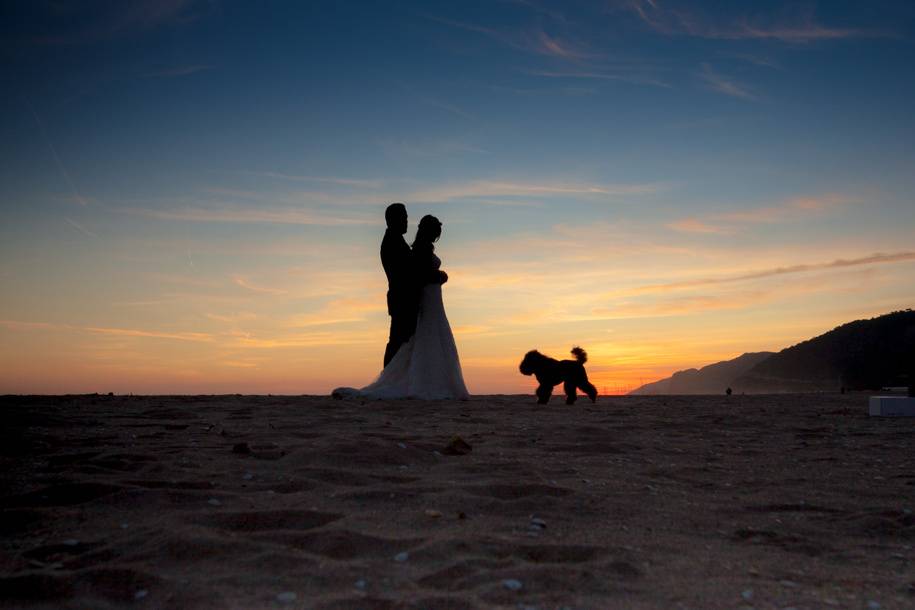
(396, 217)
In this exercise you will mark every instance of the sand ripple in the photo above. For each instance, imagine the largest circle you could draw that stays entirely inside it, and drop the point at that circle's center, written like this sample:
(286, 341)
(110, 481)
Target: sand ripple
(211, 502)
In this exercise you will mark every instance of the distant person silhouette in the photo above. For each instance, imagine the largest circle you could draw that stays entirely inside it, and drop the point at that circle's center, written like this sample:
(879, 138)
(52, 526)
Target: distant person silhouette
(403, 291)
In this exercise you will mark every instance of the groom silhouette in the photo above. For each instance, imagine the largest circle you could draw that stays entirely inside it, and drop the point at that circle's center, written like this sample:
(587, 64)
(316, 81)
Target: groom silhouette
(403, 297)
(405, 282)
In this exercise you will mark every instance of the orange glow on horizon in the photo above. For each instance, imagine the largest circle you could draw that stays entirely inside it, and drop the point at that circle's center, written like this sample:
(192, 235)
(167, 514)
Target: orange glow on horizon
(282, 317)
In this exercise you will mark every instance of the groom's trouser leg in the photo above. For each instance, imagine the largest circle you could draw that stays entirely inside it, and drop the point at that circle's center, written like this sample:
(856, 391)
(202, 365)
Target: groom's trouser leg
(402, 328)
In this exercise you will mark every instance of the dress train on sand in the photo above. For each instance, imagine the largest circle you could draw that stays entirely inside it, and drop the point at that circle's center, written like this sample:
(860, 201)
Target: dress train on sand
(427, 367)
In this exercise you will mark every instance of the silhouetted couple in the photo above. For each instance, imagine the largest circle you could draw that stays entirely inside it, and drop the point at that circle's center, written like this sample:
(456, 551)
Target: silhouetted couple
(421, 358)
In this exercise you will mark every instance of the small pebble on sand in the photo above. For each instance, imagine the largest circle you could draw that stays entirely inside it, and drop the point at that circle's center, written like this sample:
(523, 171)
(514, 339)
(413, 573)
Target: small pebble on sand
(402, 556)
(286, 597)
(361, 584)
(214, 502)
(140, 594)
(512, 584)
(71, 542)
(747, 594)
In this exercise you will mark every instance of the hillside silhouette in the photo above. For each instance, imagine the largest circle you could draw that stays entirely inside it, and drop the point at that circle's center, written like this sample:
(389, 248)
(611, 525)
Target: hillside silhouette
(711, 379)
(860, 355)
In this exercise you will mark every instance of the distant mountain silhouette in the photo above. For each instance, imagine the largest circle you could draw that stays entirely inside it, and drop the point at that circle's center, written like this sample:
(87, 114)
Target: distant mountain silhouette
(860, 355)
(711, 379)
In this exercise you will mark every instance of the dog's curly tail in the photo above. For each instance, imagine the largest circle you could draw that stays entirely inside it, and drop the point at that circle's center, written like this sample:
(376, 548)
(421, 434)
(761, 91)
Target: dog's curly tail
(580, 354)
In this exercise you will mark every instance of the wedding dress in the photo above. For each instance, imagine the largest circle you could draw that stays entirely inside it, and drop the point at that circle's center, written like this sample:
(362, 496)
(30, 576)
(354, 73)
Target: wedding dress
(427, 367)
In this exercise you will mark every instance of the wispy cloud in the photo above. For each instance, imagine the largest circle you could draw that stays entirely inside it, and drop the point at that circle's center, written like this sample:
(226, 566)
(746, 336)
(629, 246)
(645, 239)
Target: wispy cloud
(531, 40)
(101, 330)
(354, 182)
(305, 207)
(548, 45)
(426, 148)
(98, 21)
(244, 316)
(588, 247)
(489, 189)
(330, 338)
(625, 77)
(152, 13)
(247, 285)
(841, 263)
(339, 311)
(789, 210)
(180, 71)
(688, 299)
(758, 60)
(242, 364)
(732, 298)
(20, 325)
(539, 8)
(238, 214)
(808, 32)
(80, 228)
(684, 21)
(146, 303)
(60, 166)
(694, 225)
(723, 84)
(132, 332)
(682, 305)
(449, 107)
(571, 51)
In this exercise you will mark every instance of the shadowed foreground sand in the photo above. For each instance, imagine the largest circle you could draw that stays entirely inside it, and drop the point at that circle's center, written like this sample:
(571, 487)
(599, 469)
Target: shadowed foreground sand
(636, 502)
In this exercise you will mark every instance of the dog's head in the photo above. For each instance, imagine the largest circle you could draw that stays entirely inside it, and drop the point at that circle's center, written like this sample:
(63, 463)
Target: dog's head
(531, 361)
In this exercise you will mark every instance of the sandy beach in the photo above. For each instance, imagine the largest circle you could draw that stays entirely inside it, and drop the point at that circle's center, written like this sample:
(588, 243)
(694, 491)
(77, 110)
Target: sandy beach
(306, 502)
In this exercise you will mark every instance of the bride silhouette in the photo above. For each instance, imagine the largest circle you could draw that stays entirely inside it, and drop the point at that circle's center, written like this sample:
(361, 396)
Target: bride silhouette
(427, 366)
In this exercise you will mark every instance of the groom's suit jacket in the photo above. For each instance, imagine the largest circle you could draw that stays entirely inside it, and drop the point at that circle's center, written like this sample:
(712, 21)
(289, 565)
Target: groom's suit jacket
(396, 258)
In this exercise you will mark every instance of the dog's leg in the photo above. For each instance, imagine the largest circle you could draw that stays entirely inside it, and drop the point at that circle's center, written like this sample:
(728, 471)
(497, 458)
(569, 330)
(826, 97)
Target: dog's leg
(569, 387)
(590, 390)
(543, 394)
(586, 386)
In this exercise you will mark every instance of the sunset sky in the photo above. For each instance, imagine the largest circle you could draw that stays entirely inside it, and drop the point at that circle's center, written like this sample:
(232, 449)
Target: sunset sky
(192, 193)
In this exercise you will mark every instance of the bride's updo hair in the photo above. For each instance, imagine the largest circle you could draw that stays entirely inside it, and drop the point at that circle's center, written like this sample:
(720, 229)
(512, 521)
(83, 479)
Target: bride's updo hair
(430, 229)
